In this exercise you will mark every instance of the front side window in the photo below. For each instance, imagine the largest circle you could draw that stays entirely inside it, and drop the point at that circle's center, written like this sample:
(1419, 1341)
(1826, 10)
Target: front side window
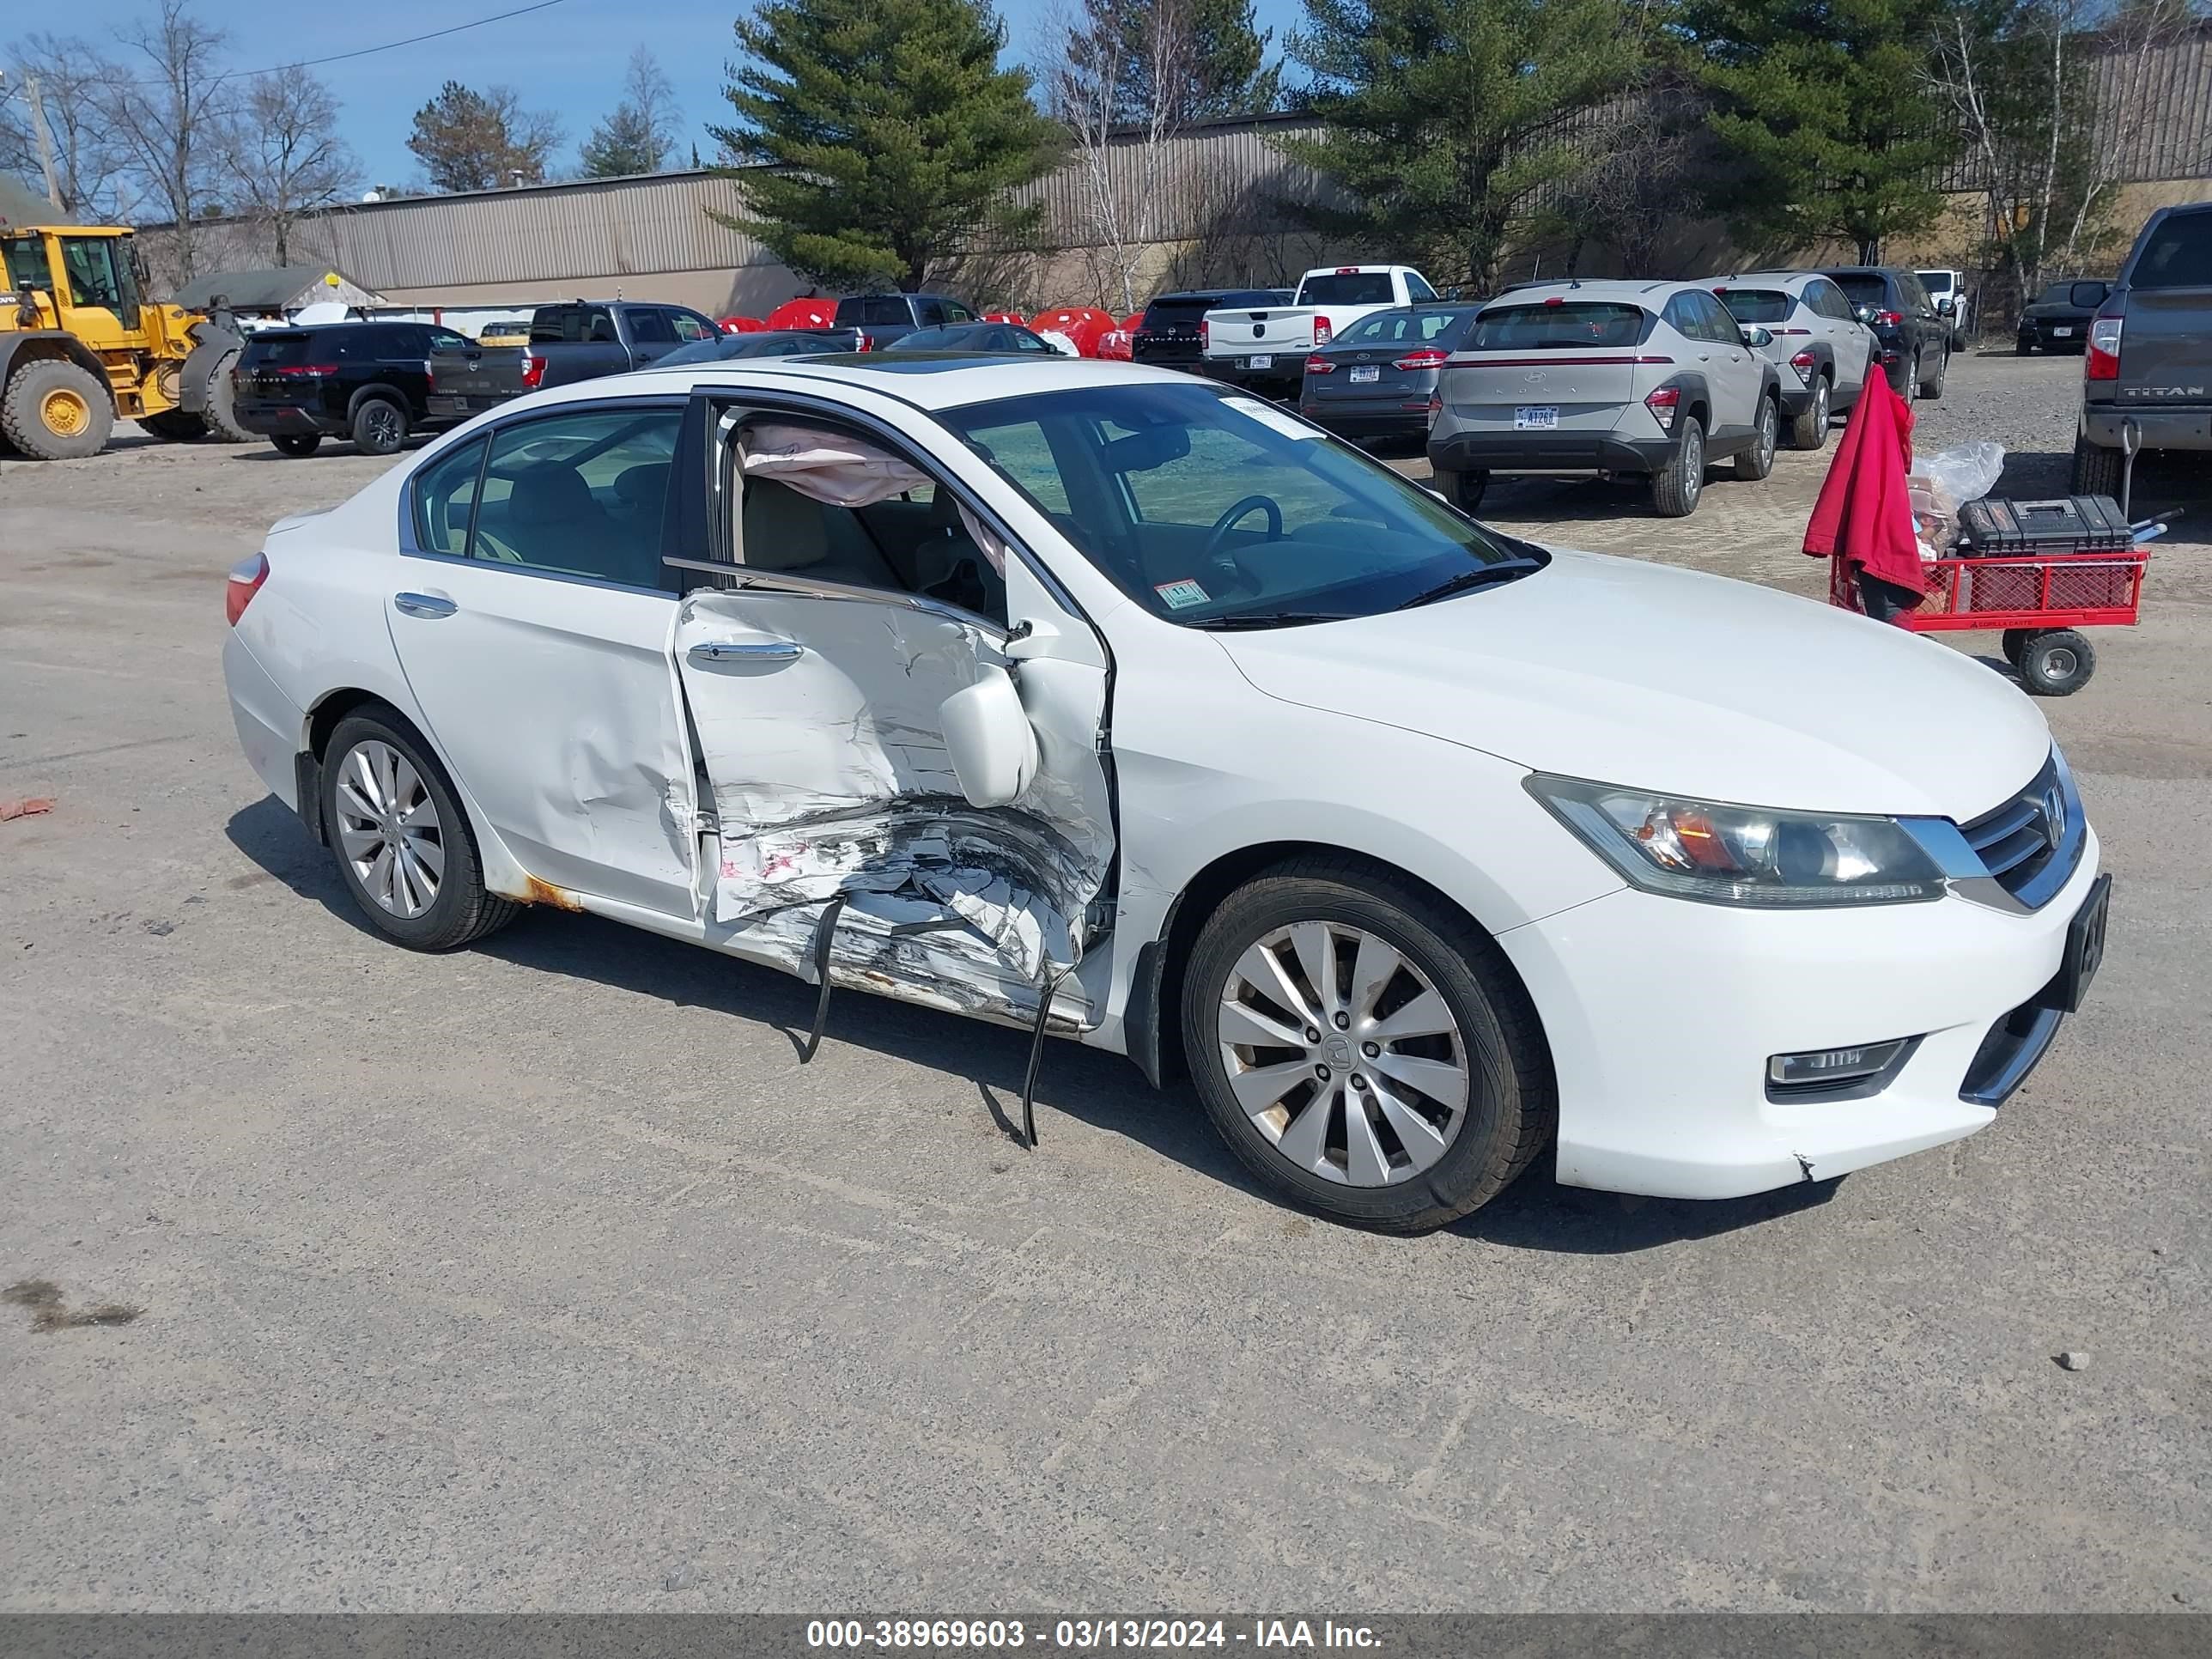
(27, 264)
(578, 493)
(651, 327)
(1214, 509)
(89, 262)
(689, 327)
(1418, 289)
(602, 330)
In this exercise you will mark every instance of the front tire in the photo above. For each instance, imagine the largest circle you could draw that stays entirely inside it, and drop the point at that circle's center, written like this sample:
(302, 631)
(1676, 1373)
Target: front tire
(53, 410)
(1933, 390)
(1810, 429)
(403, 846)
(1677, 485)
(1756, 462)
(220, 413)
(1362, 1048)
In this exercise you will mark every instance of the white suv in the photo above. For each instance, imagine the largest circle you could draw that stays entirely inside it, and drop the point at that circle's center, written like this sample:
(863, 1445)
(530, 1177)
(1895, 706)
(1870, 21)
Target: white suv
(1653, 380)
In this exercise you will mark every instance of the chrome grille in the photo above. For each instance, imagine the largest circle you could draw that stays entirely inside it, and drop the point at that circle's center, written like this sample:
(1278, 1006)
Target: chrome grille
(2017, 841)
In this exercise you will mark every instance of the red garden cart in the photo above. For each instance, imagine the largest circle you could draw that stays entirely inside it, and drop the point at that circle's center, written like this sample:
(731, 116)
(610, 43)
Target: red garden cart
(2038, 571)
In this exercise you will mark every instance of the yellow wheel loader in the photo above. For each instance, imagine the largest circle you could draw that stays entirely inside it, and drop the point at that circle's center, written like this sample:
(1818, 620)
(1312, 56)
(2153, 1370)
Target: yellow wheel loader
(81, 347)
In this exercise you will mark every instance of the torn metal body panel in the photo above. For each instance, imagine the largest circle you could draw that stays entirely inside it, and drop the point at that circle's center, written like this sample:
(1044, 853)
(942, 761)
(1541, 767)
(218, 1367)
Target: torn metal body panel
(816, 717)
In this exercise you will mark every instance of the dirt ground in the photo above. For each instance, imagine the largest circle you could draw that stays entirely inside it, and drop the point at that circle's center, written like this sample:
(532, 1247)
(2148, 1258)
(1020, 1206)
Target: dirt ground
(539, 1276)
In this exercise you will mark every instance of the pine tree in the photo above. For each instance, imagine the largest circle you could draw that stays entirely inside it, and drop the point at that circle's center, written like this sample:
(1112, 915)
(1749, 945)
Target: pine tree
(638, 136)
(1445, 120)
(1225, 73)
(892, 135)
(1822, 109)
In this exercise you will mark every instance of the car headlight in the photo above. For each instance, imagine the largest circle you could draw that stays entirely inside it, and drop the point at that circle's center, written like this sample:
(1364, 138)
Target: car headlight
(1720, 853)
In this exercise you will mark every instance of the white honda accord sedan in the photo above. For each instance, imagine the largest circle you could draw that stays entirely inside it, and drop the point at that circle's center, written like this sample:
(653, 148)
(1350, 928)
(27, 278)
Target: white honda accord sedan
(1102, 702)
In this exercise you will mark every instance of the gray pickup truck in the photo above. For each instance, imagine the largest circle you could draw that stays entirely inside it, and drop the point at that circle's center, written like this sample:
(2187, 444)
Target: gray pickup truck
(2148, 381)
(581, 340)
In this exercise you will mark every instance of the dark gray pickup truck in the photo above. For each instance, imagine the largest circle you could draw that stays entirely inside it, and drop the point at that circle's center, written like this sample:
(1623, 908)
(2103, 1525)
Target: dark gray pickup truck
(2148, 381)
(581, 340)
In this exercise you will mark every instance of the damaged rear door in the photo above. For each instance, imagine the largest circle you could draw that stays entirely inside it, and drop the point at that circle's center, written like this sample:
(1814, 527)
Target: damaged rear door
(854, 592)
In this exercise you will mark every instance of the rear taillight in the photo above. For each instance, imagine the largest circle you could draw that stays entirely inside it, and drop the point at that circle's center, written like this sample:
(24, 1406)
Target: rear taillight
(1888, 319)
(1662, 403)
(864, 343)
(1803, 363)
(1205, 333)
(533, 370)
(244, 581)
(1320, 366)
(1323, 333)
(1428, 358)
(2103, 362)
(303, 371)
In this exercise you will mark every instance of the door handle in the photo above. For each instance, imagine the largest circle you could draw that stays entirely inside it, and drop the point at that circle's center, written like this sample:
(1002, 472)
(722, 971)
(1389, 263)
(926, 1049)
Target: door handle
(715, 651)
(422, 604)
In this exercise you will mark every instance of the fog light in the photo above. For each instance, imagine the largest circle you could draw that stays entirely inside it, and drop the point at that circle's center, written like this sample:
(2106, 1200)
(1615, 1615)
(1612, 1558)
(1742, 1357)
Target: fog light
(1820, 1071)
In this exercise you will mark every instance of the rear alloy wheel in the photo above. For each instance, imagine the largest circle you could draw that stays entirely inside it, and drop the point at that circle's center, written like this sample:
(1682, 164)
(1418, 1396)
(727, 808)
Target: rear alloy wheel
(297, 444)
(1810, 429)
(1933, 389)
(53, 410)
(1676, 486)
(403, 846)
(1755, 462)
(1361, 1047)
(380, 427)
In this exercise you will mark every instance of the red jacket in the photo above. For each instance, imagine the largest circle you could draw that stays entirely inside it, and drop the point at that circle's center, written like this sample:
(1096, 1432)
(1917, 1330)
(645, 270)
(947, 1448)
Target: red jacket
(1863, 512)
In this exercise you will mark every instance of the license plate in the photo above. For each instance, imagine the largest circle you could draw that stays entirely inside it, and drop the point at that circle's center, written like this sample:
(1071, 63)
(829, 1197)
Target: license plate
(1263, 361)
(1365, 376)
(2061, 333)
(1535, 417)
(2085, 950)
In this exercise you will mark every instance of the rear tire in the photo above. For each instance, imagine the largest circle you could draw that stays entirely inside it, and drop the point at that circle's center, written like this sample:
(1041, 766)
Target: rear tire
(1810, 429)
(2056, 664)
(53, 410)
(1933, 389)
(1478, 1023)
(2023, 348)
(297, 444)
(174, 426)
(220, 413)
(1676, 486)
(459, 910)
(1755, 462)
(2096, 469)
(1464, 491)
(380, 427)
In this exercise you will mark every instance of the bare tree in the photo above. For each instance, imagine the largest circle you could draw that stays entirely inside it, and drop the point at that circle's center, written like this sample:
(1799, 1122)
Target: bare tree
(639, 135)
(166, 105)
(70, 77)
(1646, 151)
(284, 156)
(1123, 148)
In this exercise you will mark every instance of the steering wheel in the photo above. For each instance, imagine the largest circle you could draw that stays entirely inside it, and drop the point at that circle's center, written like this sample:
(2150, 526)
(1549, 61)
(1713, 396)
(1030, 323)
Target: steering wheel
(1217, 555)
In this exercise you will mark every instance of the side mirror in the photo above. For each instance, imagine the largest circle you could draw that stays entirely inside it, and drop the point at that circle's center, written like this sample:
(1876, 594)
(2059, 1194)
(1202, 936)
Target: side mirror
(1756, 338)
(993, 745)
(2088, 295)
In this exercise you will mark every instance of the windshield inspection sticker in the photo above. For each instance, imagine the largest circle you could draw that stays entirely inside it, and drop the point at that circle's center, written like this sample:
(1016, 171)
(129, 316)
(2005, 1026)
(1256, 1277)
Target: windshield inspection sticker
(1268, 417)
(1181, 596)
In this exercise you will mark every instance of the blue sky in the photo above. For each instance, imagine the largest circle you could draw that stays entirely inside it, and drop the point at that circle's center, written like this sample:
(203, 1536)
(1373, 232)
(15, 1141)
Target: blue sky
(568, 59)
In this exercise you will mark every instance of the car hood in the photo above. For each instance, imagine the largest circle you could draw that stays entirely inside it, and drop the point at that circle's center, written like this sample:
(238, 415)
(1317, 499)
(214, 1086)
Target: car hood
(1675, 681)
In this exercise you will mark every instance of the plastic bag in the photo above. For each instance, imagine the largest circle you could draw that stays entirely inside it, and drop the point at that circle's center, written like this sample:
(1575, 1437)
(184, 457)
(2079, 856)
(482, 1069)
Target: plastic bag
(1946, 481)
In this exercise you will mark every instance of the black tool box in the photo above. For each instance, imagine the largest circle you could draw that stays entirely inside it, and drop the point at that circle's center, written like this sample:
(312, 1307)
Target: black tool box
(1994, 527)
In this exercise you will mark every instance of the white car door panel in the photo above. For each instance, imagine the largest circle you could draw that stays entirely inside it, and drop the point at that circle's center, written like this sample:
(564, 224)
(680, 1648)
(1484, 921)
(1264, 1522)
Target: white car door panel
(818, 720)
(552, 704)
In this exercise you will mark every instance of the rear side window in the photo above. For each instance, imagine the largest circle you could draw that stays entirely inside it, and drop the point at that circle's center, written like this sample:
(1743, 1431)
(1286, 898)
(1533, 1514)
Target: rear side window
(1369, 287)
(276, 350)
(1827, 300)
(1757, 305)
(1864, 288)
(2178, 255)
(602, 330)
(1720, 327)
(445, 491)
(581, 494)
(932, 313)
(1563, 327)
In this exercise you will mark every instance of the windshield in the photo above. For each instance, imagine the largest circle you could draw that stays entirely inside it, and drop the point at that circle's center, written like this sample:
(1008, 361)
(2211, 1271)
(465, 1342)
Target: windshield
(1935, 281)
(1347, 288)
(1863, 289)
(1756, 305)
(1557, 326)
(1212, 508)
(2058, 294)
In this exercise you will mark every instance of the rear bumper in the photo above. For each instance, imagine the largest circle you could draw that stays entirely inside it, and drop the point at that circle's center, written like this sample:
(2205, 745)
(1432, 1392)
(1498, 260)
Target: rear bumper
(1548, 452)
(274, 420)
(2188, 427)
(1283, 377)
(446, 408)
(269, 723)
(2040, 334)
(1393, 416)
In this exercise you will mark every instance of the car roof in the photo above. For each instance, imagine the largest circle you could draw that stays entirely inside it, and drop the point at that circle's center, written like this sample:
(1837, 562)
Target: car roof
(1633, 292)
(1768, 276)
(930, 379)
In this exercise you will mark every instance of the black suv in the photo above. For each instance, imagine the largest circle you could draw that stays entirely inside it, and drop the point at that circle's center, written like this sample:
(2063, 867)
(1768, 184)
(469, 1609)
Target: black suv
(366, 381)
(1915, 338)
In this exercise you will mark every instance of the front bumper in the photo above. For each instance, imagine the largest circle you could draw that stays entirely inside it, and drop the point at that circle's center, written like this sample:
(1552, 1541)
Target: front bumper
(2160, 428)
(1661, 1013)
(1548, 452)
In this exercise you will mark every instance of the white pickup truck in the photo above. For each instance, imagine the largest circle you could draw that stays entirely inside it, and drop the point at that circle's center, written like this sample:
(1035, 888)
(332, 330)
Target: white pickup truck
(1266, 349)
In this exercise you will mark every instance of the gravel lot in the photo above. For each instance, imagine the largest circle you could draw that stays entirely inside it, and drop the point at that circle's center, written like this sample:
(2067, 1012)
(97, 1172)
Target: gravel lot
(539, 1276)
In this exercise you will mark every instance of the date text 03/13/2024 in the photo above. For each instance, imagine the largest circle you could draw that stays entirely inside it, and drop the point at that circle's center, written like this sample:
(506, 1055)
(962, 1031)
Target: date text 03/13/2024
(1082, 1635)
